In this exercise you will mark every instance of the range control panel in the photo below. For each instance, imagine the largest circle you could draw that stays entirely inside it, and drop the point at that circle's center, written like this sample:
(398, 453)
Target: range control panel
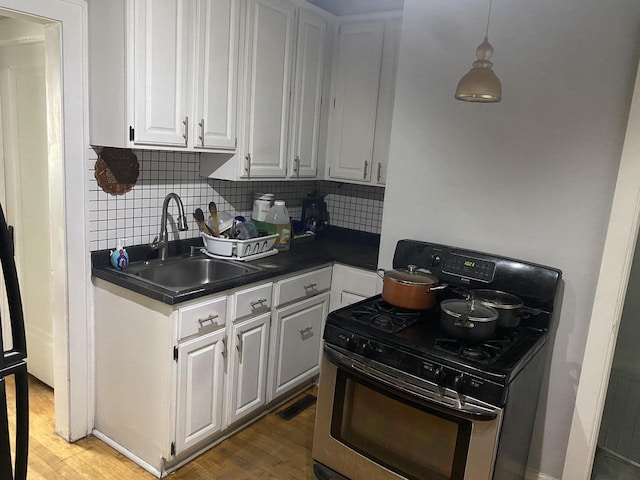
(469, 267)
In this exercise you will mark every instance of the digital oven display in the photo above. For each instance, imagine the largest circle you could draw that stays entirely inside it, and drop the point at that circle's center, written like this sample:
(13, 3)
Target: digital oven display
(474, 268)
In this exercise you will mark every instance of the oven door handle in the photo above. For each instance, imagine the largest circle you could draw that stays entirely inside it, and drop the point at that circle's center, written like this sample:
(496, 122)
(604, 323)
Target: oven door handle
(467, 408)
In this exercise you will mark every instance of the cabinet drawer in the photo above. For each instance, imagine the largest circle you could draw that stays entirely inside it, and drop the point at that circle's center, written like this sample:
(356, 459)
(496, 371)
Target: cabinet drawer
(252, 301)
(201, 317)
(361, 283)
(303, 286)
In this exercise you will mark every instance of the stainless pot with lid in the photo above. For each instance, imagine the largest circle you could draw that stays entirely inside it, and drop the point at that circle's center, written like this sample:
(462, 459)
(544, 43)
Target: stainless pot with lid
(467, 320)
(507, 305)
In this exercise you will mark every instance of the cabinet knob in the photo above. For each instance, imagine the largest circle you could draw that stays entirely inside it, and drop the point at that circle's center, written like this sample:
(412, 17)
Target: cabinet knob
(366, 167)
(379, 172)
(201, 137)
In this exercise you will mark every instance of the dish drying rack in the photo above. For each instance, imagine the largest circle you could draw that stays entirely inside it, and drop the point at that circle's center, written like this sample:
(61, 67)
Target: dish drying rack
(235, 249)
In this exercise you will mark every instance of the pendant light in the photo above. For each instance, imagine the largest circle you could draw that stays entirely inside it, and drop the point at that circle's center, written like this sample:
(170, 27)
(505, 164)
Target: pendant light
(480, 84)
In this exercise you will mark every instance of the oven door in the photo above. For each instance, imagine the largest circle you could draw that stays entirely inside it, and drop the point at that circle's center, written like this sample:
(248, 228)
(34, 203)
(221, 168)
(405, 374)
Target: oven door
(374, 422)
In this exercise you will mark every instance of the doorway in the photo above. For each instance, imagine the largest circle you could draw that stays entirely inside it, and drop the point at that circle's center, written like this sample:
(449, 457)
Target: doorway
(618, 446)
(65, 40)
(611, 291)
(24, 191)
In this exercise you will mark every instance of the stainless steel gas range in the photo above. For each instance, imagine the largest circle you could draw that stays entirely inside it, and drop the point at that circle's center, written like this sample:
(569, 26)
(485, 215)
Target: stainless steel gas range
(399, 398)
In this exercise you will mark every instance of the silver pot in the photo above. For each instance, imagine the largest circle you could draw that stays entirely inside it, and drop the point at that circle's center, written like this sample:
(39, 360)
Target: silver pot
(467, 320)
(507, 305)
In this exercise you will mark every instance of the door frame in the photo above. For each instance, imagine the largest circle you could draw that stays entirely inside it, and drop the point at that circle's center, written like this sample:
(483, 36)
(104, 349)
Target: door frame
(67, 79)
(615, 268)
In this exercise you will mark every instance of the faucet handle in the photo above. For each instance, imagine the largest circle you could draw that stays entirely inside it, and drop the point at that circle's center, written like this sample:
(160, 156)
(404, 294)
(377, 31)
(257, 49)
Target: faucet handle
(157, 243)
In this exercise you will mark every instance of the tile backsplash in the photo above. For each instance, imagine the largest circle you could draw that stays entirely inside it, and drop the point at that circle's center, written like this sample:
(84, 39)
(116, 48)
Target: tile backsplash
(134, 217)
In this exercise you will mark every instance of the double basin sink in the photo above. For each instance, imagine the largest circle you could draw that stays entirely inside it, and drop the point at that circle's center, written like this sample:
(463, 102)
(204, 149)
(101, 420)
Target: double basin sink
(184, 273)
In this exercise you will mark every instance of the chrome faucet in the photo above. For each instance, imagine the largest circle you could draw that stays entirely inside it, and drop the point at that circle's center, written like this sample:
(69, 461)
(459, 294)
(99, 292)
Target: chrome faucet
(161, 241)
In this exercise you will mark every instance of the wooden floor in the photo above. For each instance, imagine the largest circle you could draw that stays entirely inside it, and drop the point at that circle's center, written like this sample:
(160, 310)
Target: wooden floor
(270, 448)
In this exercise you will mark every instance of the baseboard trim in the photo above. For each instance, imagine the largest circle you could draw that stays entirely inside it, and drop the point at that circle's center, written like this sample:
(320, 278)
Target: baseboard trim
(130, 455)
(531, 475)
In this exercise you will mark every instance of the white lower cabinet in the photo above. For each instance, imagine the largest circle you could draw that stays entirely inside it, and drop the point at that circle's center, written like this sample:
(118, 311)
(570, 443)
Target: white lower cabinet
(296, 344)
(248, 349)
(200, 389)
(171, 381)
(351, 284)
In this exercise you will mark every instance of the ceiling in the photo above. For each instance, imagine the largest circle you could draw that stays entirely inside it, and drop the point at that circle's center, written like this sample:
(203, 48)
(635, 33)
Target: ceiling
(351, 7)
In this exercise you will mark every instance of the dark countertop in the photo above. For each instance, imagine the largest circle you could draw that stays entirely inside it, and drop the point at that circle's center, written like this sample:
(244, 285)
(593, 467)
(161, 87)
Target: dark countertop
(350, 247)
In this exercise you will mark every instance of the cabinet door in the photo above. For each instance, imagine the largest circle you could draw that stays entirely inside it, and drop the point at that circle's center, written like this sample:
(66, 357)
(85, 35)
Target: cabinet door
(385, 100)
(200, 389)
(307, 88)
(216, 70)
(267, 73)
(355, 99)
(161, 71)
(248, 356)
(296, 344)
(350, 285)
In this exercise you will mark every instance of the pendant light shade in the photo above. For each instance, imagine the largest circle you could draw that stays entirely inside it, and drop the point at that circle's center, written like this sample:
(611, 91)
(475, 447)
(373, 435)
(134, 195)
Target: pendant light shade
(480, 84)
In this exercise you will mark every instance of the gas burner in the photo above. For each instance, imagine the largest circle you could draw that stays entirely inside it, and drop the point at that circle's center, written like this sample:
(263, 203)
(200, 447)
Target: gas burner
(487, 353)
(385, 317)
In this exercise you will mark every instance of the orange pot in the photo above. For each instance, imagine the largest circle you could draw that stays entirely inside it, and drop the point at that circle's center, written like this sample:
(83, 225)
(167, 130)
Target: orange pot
(410, 288)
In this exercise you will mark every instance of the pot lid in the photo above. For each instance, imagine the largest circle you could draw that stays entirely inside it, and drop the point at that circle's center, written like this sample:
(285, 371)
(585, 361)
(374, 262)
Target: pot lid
(467, 309)
(412, 275)
(497, 299)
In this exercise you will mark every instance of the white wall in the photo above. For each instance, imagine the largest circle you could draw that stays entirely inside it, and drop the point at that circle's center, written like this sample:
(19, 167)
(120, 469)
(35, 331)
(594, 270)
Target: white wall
(531, 177)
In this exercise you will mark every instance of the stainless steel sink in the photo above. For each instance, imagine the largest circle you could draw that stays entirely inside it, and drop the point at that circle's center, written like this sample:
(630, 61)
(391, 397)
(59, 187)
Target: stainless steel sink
(191, 272)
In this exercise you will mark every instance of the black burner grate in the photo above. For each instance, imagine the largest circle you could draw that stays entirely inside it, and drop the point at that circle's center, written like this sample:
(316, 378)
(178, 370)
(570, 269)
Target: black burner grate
(487, 353)
(385, 317)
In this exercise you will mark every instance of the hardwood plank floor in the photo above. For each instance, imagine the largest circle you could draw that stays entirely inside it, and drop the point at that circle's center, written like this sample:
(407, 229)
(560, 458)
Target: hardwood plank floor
(271, 448)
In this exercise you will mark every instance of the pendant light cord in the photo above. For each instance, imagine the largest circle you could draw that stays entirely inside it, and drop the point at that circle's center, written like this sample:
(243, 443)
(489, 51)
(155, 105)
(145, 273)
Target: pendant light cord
(486, 33)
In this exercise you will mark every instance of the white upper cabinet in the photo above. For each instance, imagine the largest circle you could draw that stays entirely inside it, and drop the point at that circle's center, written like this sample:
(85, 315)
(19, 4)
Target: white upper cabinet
(363, 89)
(267, 76)
(216, 73)
(172, 84)
(282, 73)
(160, 44)
(307, 96)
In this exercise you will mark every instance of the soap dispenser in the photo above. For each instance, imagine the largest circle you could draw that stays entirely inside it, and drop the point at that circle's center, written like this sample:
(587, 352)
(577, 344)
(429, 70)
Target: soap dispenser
(120, 257)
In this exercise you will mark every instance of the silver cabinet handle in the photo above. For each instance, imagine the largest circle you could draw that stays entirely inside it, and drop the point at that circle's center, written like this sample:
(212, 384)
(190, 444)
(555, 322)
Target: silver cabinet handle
(186, 131)
(248, 167)
(311, 286)
(296, 165)
(201, 137)
(224, 347)
(306, 332)
(258, 303)
(239, 344)
(379, 172)
(210, 318)
(366, 167)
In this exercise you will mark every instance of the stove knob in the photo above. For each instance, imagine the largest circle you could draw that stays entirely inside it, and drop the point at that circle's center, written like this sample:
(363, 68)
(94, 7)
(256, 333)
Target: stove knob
(367, 348)
(435, 260)
(349, 341)
(458, 383)
(438, 375)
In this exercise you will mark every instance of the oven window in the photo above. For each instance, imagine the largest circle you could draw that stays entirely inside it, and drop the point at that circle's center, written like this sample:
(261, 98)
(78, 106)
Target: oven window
(398, 433)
